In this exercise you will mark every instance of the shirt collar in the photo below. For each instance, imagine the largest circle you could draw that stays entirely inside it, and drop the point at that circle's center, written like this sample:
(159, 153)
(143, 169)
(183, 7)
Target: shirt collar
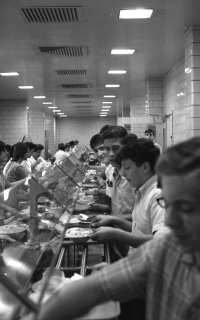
(143, 189)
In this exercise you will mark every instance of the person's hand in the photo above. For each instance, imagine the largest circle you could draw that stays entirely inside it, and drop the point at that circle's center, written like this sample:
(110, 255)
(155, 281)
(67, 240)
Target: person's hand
(81, 208)
(38, 161)
(7, 238)
(100, 196)
(101, 220)
(103, 234)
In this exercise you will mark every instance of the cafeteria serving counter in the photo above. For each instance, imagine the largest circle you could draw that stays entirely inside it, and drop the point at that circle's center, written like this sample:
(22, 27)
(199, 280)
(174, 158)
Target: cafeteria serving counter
(42, 245)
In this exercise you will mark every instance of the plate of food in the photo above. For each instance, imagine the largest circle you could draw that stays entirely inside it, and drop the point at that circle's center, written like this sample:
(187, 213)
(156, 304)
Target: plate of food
(78, 235)
(13, 228)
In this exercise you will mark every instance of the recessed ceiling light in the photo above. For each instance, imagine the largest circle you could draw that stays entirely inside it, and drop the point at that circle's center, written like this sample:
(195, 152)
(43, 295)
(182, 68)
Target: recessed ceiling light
(109, 96)
(25, 87)
(39, 97)
(116, 71)
(107, 102)
(46, 102)
(103, 115)
(122, 51)
(106, 107)
(60, 113)
(56, 110)
(135, 14)
(112, 85)
(63, 116)
(52, 107)
(105, 110)
(9, 74)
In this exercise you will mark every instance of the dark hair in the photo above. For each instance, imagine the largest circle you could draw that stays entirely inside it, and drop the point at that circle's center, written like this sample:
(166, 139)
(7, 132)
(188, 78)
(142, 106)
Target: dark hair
(117, 132)
(30, 145)
(105, 128)
(61, 146)
(67, 145)
(76, 141)
(180, 159)
(2, 146)
(72, 143)
(131, 137)
(150, 131)
(38, 147)
(140, 151)
(96, 140)
(20, 149)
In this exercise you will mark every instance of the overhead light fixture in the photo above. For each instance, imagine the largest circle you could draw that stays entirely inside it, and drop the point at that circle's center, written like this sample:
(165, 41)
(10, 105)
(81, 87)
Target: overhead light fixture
(52, 107)
(9, 74)
(107, 107)
(112, 85)
(107, 102)
(25, 87)
(135, 14)
(46, 102)
(116, 71)
(122, 51)
(105, 110)
(39, 97)
(63, 116)
(109, 96)
(103, 115)
(60, 113)
(56, 110)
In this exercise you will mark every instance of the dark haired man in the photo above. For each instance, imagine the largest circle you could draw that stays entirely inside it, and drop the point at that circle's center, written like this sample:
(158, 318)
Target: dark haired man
(138, 161)
(150, 134)
(27, 163)
(60, 154)
(37, 162)
(166, 270)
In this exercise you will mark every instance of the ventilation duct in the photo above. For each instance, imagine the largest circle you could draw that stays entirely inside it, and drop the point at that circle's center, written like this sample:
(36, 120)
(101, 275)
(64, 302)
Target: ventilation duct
(71, 72)
(76, 86)
(79, 96)
(52, 14)
(64, 51)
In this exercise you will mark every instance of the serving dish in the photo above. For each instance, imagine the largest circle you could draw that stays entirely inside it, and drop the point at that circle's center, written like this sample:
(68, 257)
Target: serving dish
(13, 229)
(78, 235)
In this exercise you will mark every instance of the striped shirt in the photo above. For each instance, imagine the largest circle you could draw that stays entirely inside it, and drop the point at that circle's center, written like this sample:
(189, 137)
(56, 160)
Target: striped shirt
(162, 273)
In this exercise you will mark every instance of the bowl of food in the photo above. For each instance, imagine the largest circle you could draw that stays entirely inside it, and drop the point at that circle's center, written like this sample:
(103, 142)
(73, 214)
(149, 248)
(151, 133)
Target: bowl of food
(78, 235)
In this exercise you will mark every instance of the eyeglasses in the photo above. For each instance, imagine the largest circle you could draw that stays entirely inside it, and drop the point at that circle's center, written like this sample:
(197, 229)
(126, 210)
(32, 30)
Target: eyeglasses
(183, 207)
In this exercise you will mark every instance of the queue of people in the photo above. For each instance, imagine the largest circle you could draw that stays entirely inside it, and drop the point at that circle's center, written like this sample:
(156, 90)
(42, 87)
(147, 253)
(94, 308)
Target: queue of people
(162, 266)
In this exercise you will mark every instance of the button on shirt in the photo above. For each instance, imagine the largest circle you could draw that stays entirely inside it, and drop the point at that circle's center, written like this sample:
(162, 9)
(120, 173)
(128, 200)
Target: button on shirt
(162, 273)
(147, 216)
(123, 196)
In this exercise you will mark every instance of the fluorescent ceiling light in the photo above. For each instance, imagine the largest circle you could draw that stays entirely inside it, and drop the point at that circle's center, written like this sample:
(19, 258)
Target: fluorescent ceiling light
(25, 87)
(52, 107)
(9, 74)
(135, 14)
(39, 97)
(60, 113)
(105, 110)
(103, 115)
(63, 116)
(112, 85)
(46, 102)
(116, 71)
(122, 51)
(107, 102)
(109, 96)
(107, 107)
(56, 110)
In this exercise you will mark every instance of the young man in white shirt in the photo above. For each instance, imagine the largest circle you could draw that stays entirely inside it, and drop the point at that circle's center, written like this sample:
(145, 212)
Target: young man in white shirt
(138, 160)
(60, 154)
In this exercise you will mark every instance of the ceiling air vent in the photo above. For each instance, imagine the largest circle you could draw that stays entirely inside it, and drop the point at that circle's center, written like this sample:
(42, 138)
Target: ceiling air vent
(75, 51)
(71, 72)
(52, 14)
(82, 107)
(76, 86)
(80, 96)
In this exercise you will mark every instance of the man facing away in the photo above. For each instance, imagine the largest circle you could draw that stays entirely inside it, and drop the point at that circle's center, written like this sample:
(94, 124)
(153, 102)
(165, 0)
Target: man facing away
(166, 270)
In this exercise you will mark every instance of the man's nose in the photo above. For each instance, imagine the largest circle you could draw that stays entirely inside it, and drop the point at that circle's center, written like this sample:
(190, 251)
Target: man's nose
(172, 217)
(123, 172)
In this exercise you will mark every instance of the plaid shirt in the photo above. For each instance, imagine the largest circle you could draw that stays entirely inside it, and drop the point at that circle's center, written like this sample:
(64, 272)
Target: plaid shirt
(160, 272)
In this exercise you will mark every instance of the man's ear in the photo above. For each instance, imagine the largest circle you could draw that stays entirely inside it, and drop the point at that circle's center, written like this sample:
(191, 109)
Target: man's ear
(146, 167)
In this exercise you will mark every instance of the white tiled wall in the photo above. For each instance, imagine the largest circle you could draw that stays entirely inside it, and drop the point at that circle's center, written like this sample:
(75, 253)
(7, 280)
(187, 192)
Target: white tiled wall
(13, 121)
(81, 129)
